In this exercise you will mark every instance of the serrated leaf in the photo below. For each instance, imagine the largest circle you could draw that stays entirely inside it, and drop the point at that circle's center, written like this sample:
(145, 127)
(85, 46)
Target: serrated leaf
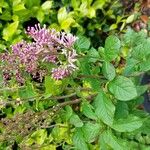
(127, 124)
(108, 71)
(122, 88)
(87, 110)
(78, 140)
(90, 131)
(104, 108)
(112, 47)
(76, 121)
(107, 139)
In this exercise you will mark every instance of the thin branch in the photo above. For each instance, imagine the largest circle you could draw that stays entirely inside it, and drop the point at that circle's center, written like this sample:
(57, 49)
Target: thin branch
(75, 101)
(54, 125)
(90, 76)
(63, 97)
(11, 89)
(31, 99)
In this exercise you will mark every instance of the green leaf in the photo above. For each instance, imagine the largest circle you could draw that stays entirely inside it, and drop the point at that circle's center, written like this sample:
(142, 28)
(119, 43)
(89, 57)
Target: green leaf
(141, 89)
(87, 110)
(122, 110)
(122, 88)
(82, 43)
(113, 27)
(40, 15)
(127, 124)
(132, 38)
(49, 147)
(78, 140)
(67, 23)
(6, 15)
(75, 4)
(95, 83)
(130, 67)
(140, 51)
(23, 14)
(53, 87)
(76, 121)
(108, 140)
(39, 136)
(62, 14)
(130, 18)
(145, 65)
(91, 12)
(67, 113)
(27, 92)
(112, 47)
(93, 55)
(98, 4)
(18, 7)
(10, 30)
(108, 71)
(47, 5)
(91, 131)
(104, 108)
(60, 133)
(30, 4)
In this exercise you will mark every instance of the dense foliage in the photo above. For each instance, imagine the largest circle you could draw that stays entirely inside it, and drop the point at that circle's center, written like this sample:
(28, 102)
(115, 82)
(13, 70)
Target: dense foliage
(72, 91)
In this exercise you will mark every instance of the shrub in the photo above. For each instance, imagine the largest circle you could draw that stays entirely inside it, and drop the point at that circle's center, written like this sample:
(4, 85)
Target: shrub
(93, 107)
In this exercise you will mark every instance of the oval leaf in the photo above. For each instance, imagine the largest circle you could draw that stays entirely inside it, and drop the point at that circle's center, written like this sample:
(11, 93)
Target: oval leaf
(10, 30)
(105, 109)
(90, 131)
(76, 121)
(62, 14)
(87, 110)
(78, 140)
(112, 47)
(123, 88)
(108, 71)
(82, 43)
(128, 124)
(107, 139)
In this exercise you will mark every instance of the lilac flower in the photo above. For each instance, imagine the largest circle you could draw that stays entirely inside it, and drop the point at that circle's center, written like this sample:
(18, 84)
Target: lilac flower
(49, 46)
(59, 73)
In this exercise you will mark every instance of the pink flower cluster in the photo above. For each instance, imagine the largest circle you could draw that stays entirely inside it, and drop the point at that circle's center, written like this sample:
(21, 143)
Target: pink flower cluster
(48, 46)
